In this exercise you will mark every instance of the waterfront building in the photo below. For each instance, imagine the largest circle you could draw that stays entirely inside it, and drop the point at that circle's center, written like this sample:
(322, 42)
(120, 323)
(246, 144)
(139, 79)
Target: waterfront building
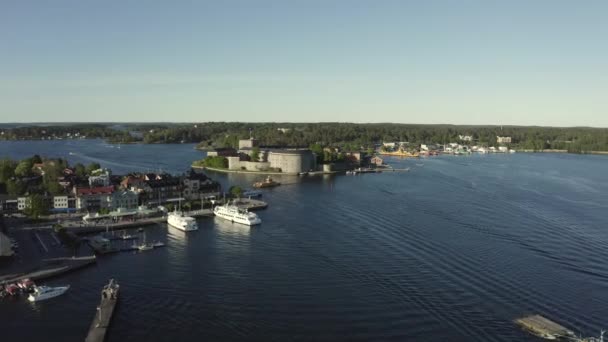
(465, 137)
(247, 143)
(133, 182)
(292, 160)
(196, 185)
(376, 161)
(93, 199)
(503, 140)
(100, 177)
(354, 157)
(125, 199)
(161, 188)
(60, 202)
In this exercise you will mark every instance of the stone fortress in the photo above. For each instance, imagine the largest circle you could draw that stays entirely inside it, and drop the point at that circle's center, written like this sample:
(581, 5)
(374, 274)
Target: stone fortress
(288, 161)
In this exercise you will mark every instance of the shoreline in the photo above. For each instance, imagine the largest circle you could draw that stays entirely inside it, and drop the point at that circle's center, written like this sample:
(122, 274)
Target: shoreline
(310, 173)
(562, 151)
(242, 171)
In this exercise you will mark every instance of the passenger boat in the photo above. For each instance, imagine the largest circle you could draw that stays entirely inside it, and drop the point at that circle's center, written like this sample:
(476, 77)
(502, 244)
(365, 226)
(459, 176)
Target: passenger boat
(178, 220)
(233, 213)
(266, 183)
(46, 292)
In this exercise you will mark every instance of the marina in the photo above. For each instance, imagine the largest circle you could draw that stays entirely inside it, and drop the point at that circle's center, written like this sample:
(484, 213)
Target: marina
(410, 249)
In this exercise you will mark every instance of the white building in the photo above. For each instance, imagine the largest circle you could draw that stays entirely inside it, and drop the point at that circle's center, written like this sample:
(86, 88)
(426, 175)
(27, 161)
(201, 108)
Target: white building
(22, 203)
(60, 202)
(465, 137)
(100, 177)
(504, 149)
(503, 140)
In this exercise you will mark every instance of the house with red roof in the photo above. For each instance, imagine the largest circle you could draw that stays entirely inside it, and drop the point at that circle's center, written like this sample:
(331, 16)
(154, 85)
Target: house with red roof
(95, 198)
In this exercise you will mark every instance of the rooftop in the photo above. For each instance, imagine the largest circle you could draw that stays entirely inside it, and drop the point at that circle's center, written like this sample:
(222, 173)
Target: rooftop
(95, 191)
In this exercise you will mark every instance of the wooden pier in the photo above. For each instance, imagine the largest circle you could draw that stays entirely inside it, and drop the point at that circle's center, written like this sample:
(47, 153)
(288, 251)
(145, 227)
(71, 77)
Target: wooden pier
(545, 328)
(105, 310)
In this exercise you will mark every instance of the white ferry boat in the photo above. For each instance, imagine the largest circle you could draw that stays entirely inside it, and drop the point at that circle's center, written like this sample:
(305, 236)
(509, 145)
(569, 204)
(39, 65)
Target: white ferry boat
(178, 220)
(46, 292)
(233, 213)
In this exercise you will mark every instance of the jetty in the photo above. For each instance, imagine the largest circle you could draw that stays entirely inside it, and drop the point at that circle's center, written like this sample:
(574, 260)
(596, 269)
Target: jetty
(105, 310)
(250, 204)
(50, 268)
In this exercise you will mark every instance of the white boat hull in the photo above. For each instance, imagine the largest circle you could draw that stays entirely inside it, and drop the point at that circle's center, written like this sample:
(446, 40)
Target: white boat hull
(183, 223)
(56, 291)
(233, 215)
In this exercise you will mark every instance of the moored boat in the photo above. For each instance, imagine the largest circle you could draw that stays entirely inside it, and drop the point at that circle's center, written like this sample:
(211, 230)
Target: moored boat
(266, 183)
(233, 213)
(177, 220)
(47, 292)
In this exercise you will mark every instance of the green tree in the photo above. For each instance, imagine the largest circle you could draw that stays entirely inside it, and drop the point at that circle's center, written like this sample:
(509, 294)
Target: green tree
(236, 191)
(255, 154)
(92, 167)
(7, 170)
(36, 159)
(36, 206)
(24, 168)
(80, 170)
(53, 187)
(218, 162)
(15, 187)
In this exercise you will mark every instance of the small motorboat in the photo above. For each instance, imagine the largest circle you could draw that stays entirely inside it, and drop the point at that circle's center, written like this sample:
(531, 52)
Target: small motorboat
(145, 247)
(47, 292)
(266, 183)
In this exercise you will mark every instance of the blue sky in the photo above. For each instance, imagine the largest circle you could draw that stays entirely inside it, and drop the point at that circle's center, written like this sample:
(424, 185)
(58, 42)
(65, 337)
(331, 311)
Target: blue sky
(460, 62)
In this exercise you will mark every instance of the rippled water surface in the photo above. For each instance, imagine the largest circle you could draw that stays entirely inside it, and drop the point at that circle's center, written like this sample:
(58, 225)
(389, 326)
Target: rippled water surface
(453, 250)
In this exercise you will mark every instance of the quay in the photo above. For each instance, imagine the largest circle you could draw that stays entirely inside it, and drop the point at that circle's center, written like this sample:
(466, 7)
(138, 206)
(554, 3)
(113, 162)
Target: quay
(105, 310)
(96, 228)
(250, 204)
(51, 268)
(544, 328)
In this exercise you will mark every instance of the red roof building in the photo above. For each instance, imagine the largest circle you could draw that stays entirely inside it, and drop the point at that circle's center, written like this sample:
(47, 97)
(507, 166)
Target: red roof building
(101, 190)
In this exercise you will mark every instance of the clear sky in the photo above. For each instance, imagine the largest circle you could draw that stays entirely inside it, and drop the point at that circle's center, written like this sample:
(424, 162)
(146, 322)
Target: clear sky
(461, 62)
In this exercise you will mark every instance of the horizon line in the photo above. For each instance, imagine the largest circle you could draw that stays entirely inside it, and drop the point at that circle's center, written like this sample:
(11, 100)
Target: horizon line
(25, 123)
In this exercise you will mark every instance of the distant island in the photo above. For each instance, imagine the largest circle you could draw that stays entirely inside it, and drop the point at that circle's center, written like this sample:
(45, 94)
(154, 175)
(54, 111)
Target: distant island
(347, 136)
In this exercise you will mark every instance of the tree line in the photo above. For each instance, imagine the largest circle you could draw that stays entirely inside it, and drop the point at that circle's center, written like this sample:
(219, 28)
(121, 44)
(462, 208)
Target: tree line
(348, 136)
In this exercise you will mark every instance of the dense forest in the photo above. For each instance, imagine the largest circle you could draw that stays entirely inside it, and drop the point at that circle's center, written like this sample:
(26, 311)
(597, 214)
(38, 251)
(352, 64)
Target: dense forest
(361, 136)
(346, 135)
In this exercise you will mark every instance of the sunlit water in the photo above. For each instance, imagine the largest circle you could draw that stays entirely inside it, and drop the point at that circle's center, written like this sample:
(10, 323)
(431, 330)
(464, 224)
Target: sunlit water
(453, 250)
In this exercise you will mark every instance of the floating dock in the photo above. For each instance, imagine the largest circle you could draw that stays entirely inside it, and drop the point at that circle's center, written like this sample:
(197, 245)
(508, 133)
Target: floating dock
(105, 310)
(545, 328)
